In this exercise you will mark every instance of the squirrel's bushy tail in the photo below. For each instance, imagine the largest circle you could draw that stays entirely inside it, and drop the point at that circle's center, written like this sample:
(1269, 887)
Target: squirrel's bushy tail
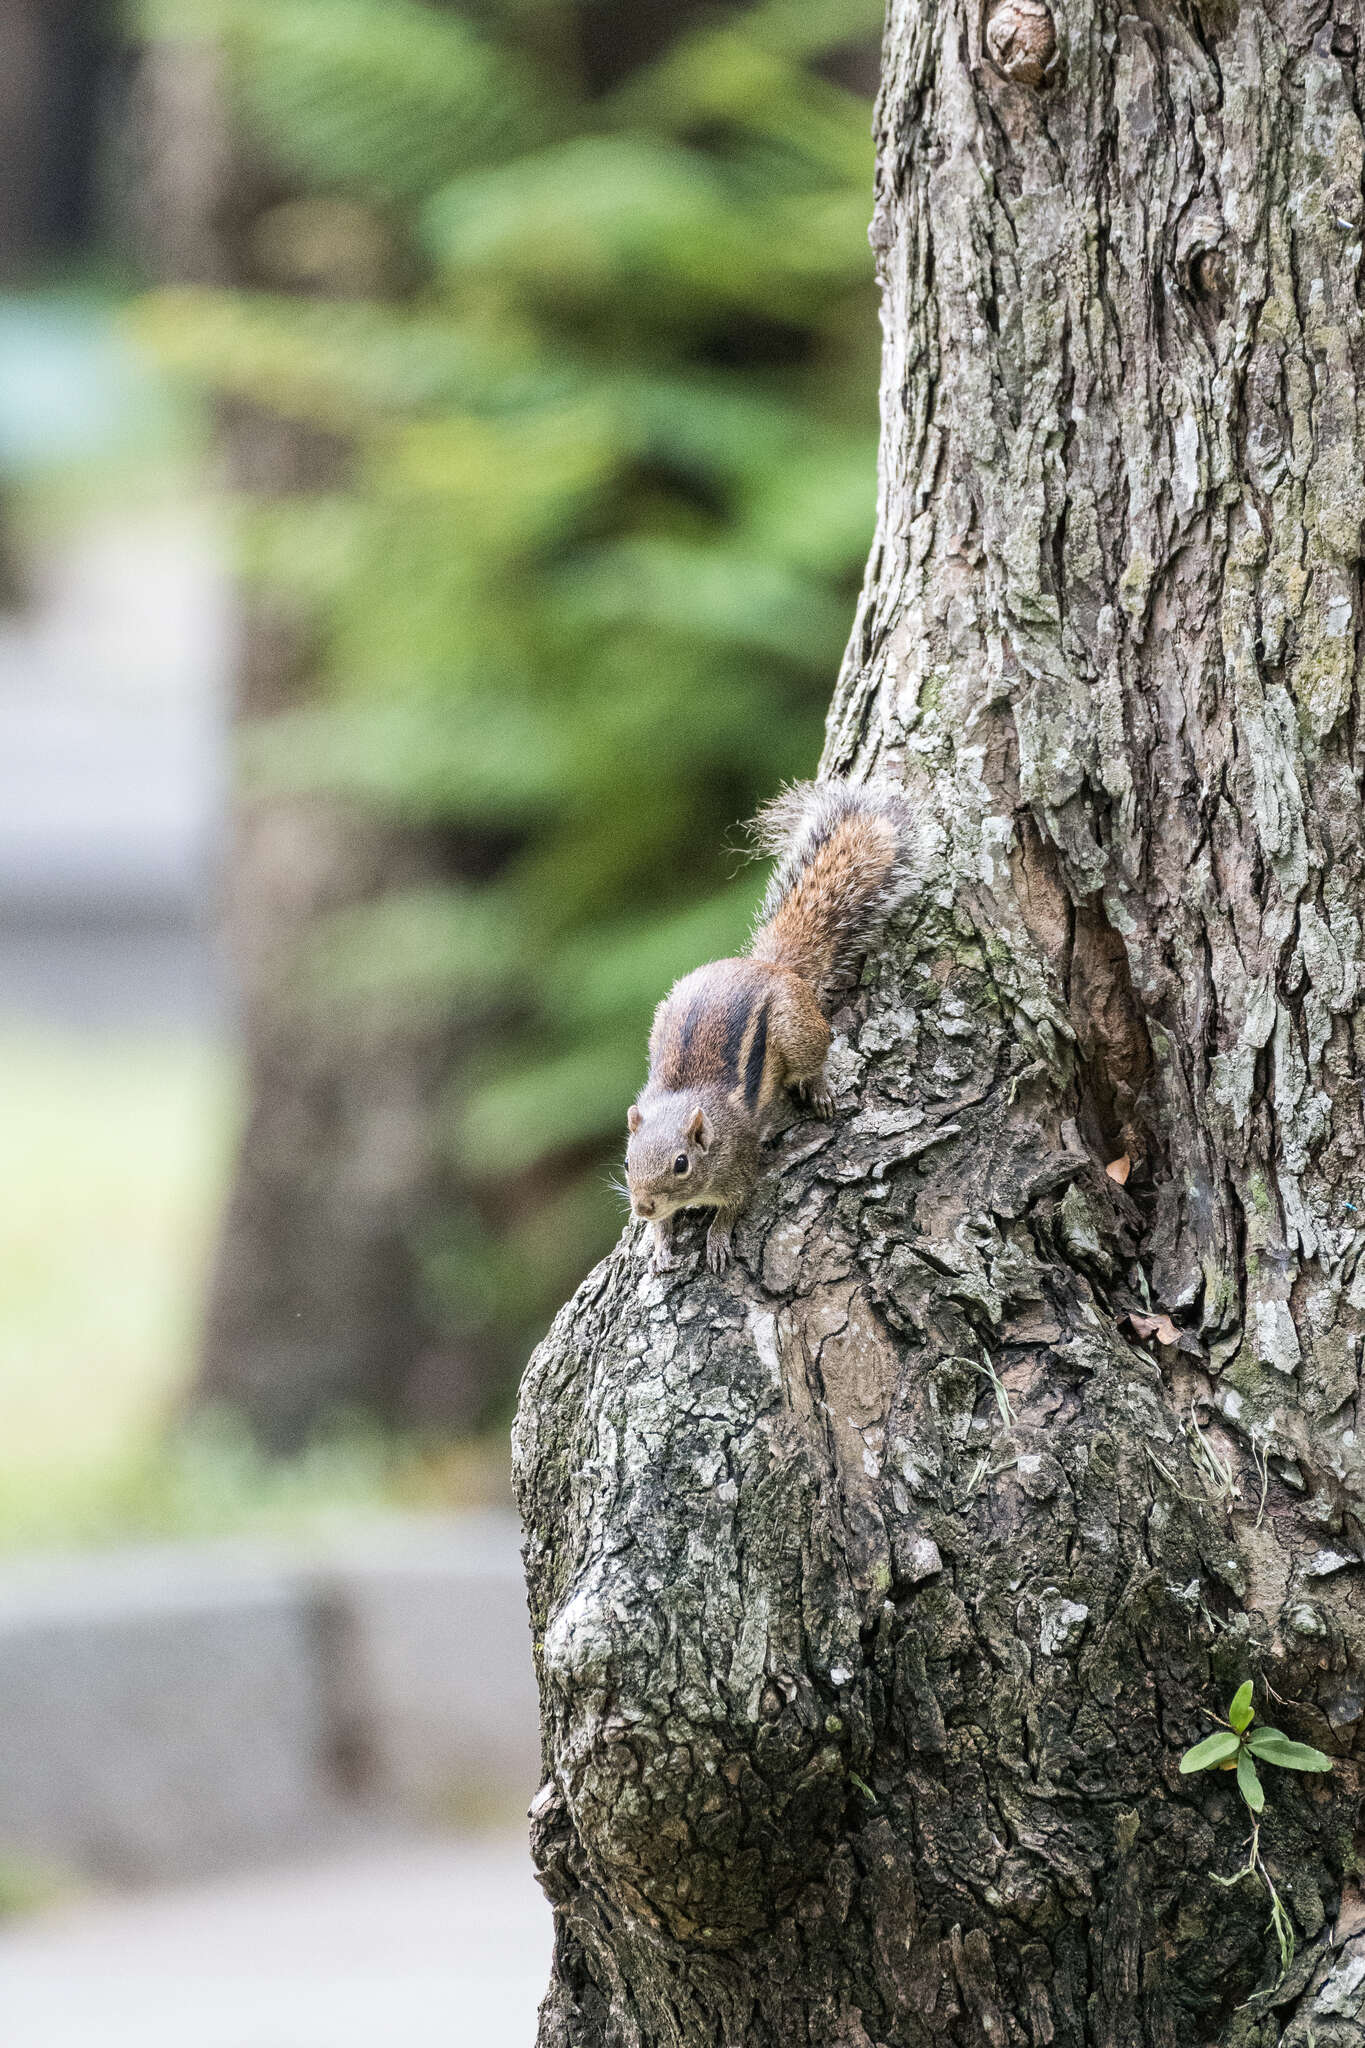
(842, 867)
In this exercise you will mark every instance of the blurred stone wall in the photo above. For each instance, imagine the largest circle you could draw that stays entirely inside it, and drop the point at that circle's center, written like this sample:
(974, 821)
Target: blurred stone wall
(166, 1713)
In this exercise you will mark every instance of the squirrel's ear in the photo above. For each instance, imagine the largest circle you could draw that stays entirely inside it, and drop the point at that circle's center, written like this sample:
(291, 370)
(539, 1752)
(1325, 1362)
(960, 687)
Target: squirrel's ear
(699, 1129)
(633, 1117)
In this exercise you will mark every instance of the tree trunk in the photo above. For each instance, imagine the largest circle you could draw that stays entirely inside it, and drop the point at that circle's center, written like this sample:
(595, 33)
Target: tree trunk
(879, 1585)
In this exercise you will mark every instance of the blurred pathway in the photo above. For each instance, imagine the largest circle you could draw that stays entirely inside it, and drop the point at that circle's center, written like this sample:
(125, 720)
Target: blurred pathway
(112, 765)
(114, 680)
(426, 1944)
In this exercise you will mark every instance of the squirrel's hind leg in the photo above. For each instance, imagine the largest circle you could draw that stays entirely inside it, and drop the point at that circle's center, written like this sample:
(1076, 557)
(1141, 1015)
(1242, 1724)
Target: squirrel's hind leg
(816, 1094)
(801, 1032)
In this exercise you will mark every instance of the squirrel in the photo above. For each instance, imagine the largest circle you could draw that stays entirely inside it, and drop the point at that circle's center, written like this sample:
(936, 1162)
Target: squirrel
(729, 1039)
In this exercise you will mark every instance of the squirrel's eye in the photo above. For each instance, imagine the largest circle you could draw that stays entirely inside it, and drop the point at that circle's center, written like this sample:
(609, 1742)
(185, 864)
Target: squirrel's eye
(680, 1163)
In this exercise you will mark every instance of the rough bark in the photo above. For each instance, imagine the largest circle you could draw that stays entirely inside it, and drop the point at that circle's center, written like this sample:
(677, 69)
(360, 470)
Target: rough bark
(879, 1585)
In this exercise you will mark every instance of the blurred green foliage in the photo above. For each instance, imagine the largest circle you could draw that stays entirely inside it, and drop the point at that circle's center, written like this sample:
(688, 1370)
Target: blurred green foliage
(607, 367)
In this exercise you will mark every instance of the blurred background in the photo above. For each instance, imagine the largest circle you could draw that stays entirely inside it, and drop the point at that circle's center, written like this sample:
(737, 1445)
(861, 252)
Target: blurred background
(437, 461)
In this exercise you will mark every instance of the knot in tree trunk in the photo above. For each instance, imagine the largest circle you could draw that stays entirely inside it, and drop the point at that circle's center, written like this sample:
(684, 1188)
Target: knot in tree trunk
(1022, 39)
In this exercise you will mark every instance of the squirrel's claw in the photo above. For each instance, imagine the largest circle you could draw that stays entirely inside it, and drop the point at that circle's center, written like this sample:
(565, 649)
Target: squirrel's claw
(718, 1247)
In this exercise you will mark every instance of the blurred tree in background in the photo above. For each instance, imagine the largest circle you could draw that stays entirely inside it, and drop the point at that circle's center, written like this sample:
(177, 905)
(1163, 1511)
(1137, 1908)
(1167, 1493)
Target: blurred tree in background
(52, 56)
(543, 340)
(52, 59)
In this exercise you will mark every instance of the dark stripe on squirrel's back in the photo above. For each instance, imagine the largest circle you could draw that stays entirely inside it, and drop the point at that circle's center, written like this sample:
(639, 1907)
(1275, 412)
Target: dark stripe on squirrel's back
(753, 1065)
(704, 1041)
(679, 1026)
(684, 1040)
(737, 1012)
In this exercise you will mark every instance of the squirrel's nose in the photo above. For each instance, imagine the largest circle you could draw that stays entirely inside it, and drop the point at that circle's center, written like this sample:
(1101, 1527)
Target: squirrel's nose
(643, 1206)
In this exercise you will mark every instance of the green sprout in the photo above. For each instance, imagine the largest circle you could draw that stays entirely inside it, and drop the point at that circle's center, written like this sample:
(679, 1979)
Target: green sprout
(1238, 1743)
(1239, 1747)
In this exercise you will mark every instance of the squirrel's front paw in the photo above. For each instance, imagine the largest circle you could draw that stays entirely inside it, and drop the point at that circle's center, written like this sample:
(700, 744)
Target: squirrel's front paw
(718, 1247)
(665, 1258)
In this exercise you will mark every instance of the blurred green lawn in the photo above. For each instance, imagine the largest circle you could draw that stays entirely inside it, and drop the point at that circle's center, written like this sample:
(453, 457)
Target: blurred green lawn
(116, 1153)
(115, 1150)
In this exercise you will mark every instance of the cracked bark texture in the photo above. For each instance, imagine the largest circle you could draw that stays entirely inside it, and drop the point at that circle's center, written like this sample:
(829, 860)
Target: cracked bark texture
(879, 1584)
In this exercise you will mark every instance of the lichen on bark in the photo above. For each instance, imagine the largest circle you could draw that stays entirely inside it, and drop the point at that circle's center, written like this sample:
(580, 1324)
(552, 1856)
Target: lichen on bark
(879, 1585)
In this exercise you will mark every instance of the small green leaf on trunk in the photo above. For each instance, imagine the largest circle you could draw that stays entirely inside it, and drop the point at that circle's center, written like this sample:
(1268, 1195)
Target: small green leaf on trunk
(1241, 1713)
(1248, 1784)
(1272, 1747)
(1214, 1749)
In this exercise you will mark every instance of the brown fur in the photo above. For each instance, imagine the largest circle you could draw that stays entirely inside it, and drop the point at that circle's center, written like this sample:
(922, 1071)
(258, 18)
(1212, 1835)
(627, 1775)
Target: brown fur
(750, 1028)
(730, 1038)
(841, 865)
